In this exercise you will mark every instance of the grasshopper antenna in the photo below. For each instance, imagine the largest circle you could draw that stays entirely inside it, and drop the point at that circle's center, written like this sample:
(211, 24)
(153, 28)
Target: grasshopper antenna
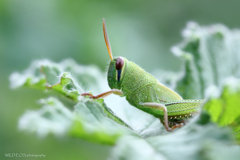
(107, 40)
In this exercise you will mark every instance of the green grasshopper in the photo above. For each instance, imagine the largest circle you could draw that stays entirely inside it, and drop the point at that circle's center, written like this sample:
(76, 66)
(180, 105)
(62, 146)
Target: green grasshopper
(145, 92)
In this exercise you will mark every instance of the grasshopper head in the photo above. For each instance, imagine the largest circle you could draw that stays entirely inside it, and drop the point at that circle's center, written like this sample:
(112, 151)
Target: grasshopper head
(116, 66)
(116, 72)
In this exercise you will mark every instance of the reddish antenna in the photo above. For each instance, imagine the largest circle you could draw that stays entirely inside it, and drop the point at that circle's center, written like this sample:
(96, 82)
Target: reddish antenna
(107, 40)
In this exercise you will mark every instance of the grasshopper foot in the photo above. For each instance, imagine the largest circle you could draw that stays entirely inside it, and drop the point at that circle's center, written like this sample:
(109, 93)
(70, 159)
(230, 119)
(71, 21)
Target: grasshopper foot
(177, 126)
(88, 94)
(172, 125)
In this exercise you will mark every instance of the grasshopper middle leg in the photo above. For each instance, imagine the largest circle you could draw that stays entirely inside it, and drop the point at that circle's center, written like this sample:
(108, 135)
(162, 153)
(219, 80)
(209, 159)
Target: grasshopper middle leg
(165, 122)
(160, 107)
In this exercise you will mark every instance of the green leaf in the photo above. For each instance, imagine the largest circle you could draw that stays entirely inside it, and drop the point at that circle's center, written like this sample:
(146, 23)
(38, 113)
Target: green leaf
(44, 74)
(53, 118)
(87, 121)
(225, 108)
(95, 124)
(210, 54)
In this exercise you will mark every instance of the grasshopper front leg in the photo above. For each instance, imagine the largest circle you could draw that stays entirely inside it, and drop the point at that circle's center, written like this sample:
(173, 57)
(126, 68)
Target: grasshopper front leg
(104, 94)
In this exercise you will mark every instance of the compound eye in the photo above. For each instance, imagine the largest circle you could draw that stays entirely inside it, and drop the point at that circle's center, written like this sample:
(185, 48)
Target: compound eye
(119, 63)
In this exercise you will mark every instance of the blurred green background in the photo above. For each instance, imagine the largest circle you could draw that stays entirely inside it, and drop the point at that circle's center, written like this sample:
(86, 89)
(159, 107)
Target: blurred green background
(142, 31)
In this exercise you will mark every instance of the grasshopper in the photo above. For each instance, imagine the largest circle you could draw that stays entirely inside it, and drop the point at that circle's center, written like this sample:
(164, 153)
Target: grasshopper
(145, 92)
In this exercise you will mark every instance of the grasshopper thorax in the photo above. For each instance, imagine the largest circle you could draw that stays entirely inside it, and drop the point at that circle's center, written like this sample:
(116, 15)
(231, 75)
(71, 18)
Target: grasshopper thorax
(116, 72)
